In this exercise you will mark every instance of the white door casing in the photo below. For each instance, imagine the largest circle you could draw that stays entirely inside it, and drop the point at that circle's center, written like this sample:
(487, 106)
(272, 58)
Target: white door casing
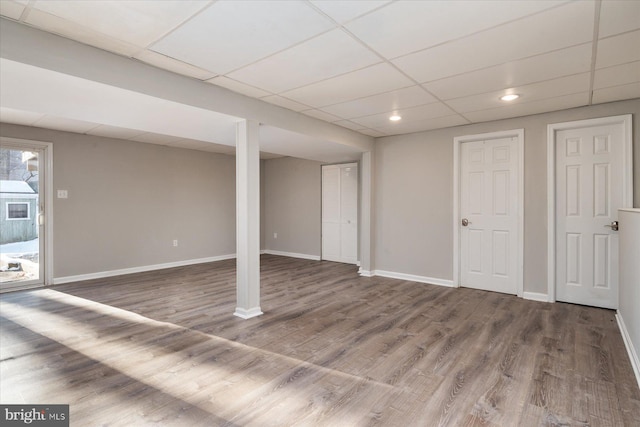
(589, 182)
(488, 192)
(340, 213)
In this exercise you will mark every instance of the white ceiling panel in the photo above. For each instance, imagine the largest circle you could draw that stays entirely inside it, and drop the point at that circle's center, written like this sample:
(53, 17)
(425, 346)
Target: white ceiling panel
(11, 9)
(238, 87)
(322, 57)
(16, 117)
(422, 125)
(349, 125)
(142, 21)
(114, 132)
(560, 63)
(284, 102)
(346, 10)
(173, 65)
(408, 26)
(616, 93)
(618, 17)
(617, 75)
(374, 133)
(155, 138)
(321, 115)
(76, 31)
(231, 34)
(535, 35)
(618, 49)
(548, 89)
(421, 112)
(389, 101)
(64, 124)
(528, 108)
(358, 84)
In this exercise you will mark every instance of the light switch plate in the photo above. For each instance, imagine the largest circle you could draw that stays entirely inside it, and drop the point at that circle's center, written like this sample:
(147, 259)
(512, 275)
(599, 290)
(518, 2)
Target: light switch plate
(63, 194)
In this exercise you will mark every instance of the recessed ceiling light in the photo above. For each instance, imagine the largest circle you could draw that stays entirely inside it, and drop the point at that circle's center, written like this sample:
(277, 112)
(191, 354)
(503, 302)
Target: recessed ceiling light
(395, 118)
(510, 97)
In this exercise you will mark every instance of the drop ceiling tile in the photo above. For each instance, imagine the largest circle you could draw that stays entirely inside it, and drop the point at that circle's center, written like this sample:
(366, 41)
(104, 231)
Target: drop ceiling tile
(358, 84)
(408, 26)
(346, 10)
(423, 125)
(534, 107)
(64, 124)
(321, 115)
(114, 132)
(528, 93)
(231, 34)
(422, 112)
(284, 102)
(142, 22)
(616, 93)
(18, 117)
(564, 26)
(11, 9)
(327, 55)
(389, 101)
(74, 31)
(238, 87)
(173, 65)
(372, 132)
(560, 63)
(618, 50)
(617, 75)
(155, 138)
(618, 17)
(349, 125)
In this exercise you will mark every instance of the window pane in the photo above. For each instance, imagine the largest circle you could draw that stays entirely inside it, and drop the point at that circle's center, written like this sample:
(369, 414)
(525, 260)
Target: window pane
(18, 210)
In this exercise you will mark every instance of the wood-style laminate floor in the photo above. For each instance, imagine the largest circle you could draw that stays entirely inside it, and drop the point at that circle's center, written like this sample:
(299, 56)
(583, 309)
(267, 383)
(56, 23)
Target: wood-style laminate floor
(164, 349)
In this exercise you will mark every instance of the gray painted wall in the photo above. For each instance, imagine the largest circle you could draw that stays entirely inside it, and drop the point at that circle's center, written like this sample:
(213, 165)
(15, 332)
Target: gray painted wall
(414, 193)
(292, 201)
(128, 201)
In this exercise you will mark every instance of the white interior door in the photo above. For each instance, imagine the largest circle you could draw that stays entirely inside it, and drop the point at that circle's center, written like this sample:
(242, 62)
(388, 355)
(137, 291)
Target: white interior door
(489, 205)
(340, 213)
(589, 173)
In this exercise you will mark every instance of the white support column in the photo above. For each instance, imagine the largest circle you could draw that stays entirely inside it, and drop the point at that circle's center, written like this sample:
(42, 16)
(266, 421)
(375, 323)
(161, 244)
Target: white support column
(247, 220)
(366, 214)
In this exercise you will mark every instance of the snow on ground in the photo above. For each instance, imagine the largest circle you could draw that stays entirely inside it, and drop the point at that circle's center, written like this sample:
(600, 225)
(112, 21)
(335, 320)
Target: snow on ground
(32, 246)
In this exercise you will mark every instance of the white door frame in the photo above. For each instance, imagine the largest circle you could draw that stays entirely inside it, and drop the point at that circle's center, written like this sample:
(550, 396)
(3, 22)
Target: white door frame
(457, 142)
(627, 181)
(46, 194)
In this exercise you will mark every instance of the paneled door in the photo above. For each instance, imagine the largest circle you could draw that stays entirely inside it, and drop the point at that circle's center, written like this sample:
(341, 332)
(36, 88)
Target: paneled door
(589, 173)
(340, 213)
(489, 205)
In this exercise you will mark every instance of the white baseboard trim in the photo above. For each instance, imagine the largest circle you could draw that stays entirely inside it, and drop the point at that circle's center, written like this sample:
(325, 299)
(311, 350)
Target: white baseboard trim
(248, 314)
(414, 278)
(535, 296)
(365, 273)
(142, 269)
(633, 356)
(292, 254)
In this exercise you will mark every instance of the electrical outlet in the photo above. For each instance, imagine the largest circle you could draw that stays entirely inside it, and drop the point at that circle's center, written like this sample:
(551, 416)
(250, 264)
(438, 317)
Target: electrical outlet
(175, 242)
(275, 235)
(63, 194)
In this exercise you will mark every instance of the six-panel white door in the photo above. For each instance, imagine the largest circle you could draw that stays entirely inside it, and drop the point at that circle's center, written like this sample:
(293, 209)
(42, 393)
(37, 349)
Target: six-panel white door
(340, 213)
(588, 196)
(489, 202)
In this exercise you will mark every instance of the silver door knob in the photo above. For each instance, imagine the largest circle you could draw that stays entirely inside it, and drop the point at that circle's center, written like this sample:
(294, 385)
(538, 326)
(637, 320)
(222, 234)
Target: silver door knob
(465, 222)
(613, 225)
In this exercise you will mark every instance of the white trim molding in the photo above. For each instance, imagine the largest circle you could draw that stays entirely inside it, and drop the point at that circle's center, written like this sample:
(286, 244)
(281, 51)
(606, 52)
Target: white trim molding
(414, 278)
(627, 181)
(633, 356)
(365, 273)
(535, 296)
(141, 269)
(248, 314)
(457, 142)
(291, 254)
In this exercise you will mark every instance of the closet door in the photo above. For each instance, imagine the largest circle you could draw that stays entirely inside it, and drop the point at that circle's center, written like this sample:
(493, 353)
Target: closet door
(340, 213)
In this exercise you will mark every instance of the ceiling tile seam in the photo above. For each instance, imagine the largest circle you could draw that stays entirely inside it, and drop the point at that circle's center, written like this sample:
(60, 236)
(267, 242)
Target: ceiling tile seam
(317, 9)
(180, 24)
(624, 33)
(25, 13)
(134, 57)
(520, 86)
(524, 58)
(275, 94)
(470, 35)
(397, 109)
(594, 48)
(529, 102)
